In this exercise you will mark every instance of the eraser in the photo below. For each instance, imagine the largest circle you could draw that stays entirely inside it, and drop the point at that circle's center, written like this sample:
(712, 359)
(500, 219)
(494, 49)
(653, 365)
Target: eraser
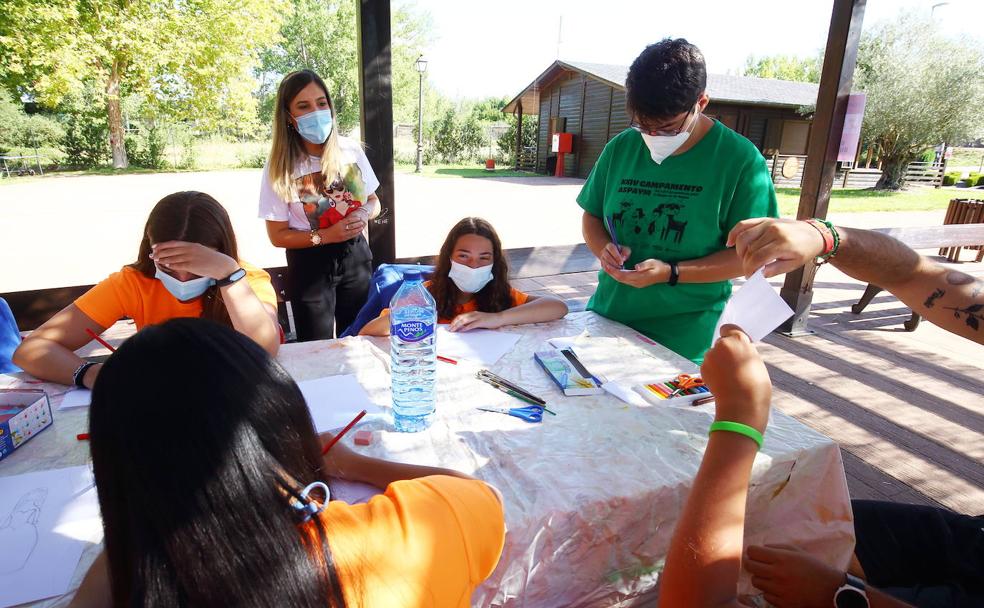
(363, 437)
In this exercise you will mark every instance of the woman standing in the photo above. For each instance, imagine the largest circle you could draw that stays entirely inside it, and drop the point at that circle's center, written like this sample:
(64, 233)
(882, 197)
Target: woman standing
(317, 197)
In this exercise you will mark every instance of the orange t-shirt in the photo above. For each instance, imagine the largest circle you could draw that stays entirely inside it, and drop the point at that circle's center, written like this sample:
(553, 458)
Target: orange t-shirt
(518, 297)
(128, 293)
(424, 542)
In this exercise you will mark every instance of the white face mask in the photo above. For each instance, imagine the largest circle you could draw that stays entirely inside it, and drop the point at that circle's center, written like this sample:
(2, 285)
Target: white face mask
(468, 279)
(662, 146)
(184, 291)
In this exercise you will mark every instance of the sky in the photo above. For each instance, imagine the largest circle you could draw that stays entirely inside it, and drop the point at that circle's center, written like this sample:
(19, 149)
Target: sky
(483, 49)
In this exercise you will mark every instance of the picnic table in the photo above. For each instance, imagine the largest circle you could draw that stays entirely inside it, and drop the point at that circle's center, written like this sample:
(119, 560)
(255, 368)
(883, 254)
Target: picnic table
(591, 495)
(24, 167)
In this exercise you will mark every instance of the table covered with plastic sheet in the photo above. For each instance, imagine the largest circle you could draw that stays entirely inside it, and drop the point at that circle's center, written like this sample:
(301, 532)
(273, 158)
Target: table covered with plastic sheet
(592, 494)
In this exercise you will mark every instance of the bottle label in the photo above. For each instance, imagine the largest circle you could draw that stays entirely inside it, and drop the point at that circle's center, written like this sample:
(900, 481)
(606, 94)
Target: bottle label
(412, 331)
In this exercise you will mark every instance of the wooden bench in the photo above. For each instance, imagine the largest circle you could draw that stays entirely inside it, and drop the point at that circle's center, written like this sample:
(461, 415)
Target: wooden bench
(928, 237)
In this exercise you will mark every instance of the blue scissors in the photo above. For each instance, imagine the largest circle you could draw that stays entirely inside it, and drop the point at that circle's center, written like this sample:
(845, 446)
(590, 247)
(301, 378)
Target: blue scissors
(532, 413)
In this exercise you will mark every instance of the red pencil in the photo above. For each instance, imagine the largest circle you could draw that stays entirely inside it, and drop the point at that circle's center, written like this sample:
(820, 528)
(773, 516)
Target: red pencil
(82, 437)
(341, 434)
(446, 360)
(99, 340)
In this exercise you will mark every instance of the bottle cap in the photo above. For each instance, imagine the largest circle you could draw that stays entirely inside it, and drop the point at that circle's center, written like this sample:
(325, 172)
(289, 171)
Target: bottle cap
(411, 275)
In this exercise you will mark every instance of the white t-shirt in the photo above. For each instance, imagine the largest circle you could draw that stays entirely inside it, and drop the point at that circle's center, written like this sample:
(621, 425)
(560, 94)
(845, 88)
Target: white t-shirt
(316, 203)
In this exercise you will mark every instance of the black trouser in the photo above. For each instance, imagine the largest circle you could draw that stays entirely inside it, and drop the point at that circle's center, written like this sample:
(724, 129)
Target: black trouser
(327, 285)
(922, 555)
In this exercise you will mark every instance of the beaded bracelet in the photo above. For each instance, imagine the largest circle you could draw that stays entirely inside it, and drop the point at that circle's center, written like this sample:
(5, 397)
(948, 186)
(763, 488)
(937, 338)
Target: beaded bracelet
(737, 427)
(831, 239)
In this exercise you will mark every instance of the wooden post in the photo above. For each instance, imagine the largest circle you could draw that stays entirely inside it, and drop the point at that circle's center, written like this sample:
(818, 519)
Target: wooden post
(376, 119)
(828, 123)
(519, 133)
(775, 163)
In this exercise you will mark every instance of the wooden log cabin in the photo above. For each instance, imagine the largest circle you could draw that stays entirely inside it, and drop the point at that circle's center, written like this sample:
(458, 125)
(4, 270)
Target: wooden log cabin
(588, 100)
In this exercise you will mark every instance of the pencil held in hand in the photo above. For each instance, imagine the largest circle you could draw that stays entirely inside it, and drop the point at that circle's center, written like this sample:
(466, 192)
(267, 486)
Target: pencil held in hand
(341, 433)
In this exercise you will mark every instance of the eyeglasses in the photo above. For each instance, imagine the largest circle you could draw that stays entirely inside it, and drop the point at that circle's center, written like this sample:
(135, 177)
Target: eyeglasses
(662, 131)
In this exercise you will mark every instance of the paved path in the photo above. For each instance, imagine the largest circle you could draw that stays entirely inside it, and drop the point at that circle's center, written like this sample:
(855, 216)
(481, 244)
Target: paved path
(60, 231)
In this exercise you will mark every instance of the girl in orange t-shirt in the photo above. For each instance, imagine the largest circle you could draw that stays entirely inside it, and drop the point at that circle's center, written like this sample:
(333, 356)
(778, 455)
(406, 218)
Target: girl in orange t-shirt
(210, 492)
(471, 285)
(188, 266)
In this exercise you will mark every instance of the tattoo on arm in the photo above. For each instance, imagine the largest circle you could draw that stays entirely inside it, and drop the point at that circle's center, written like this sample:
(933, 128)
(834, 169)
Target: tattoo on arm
(973, 312)
(936, 295)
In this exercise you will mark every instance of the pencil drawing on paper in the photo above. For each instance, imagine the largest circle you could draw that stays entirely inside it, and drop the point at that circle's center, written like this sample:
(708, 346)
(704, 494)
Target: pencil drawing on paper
(19, 531)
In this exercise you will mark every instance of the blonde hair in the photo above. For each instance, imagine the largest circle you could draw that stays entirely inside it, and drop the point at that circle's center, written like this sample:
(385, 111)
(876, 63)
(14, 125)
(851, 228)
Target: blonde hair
(287, 148)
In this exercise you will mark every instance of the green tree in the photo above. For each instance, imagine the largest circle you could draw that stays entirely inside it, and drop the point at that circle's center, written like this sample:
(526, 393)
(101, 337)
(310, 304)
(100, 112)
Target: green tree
(507, 142)
(446, 137)
(922, 88)
(22, 130)
(191, 59)
(785, 67)
(321, 35)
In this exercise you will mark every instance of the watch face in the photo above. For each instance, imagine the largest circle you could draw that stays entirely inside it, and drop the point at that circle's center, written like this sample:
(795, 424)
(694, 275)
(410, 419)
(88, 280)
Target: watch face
(848, 597)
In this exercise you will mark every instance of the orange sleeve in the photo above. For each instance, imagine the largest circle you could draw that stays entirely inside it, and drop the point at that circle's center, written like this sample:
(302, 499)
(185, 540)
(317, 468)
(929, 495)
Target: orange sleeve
(259, 281)
(518, 297)
(108, 301)
(424, 542)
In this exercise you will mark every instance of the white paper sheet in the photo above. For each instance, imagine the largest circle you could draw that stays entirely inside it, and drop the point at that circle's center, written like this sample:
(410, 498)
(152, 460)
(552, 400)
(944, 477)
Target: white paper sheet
(484, 346)
(334, 401)
(46, 519)
(755, 307)
(80, 397)
(625, 393)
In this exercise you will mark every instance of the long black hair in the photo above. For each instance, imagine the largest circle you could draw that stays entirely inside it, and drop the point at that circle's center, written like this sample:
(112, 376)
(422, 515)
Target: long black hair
(199, 442)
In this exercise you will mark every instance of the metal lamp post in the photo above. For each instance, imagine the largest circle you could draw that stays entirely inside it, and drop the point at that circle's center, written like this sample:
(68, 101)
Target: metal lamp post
(421, 65)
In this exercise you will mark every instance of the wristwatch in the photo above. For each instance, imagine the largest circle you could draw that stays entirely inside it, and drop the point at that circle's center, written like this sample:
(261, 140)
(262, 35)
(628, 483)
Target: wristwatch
(232, 278)
(315, 237)
(851, 594)
(674, 274)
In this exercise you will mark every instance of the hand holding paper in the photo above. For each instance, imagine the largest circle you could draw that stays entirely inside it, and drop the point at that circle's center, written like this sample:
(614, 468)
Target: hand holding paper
(756, 308)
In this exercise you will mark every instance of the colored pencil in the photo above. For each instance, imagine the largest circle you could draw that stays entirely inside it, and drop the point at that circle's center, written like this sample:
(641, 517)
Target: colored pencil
(447, 360)
(99, 340)
(341, 433)
(82, 437)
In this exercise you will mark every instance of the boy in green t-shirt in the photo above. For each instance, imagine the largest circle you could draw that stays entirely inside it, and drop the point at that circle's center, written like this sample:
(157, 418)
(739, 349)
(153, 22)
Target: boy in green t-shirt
(673, 185)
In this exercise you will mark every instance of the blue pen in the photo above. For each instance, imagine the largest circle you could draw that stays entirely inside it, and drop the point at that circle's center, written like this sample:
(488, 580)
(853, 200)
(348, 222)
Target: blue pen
(610, 222)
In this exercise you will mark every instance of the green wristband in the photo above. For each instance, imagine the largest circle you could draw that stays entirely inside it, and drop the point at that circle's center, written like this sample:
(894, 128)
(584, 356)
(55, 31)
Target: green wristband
(737, 427)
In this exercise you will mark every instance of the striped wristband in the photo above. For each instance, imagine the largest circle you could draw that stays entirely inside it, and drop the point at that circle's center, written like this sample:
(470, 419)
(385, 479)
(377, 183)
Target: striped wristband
(737, 427)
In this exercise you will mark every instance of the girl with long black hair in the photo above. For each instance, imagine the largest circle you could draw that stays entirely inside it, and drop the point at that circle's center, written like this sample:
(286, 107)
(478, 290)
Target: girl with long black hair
(209, 492)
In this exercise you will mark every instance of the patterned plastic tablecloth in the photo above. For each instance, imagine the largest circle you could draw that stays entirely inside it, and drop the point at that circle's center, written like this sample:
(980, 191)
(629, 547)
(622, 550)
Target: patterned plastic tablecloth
(592, 494)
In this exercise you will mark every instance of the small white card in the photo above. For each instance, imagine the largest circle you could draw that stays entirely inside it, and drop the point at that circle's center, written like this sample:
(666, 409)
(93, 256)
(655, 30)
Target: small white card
(80, 397)
(484, 346)
(756, 308)
(334, 401)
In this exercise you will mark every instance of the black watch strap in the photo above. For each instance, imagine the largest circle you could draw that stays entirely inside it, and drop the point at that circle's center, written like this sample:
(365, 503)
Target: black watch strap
(674, 274)
(232, 278)
(79, 374)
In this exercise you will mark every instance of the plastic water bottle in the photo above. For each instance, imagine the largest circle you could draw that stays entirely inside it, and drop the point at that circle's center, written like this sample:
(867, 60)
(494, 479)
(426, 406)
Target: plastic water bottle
(413, 354)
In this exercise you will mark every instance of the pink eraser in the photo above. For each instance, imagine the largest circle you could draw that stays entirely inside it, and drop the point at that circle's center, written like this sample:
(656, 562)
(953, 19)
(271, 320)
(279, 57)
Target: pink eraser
(363, 437)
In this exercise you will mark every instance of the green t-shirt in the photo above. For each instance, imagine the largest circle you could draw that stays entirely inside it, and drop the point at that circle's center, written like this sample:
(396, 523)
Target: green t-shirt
(679, 210)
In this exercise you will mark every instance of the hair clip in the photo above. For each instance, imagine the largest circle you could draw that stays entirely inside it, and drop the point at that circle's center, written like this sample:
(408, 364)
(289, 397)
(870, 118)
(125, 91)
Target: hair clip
(308, 507)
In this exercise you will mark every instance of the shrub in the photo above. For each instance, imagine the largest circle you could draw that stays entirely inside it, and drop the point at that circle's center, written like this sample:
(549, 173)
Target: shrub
(146, 148)
(252, 159)
(86, 142)
(952, 177)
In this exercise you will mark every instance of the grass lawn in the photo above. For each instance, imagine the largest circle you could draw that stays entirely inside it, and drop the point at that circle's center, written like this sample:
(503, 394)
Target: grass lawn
(852, 201)
(462, 171)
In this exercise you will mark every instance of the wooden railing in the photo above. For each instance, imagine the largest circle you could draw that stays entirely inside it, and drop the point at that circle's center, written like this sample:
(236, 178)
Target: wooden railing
(928, 174)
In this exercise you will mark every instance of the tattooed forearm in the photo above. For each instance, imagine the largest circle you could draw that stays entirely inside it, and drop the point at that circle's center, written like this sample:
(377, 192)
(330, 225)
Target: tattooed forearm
(936, 295)
(973, 314)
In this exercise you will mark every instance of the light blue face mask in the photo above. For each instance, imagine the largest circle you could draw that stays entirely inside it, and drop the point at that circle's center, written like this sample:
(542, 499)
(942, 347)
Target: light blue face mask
(315, 126)
(184, 290)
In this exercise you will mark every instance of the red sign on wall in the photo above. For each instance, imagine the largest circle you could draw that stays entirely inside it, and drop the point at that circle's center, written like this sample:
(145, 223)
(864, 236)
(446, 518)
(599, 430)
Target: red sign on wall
(851, 134)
